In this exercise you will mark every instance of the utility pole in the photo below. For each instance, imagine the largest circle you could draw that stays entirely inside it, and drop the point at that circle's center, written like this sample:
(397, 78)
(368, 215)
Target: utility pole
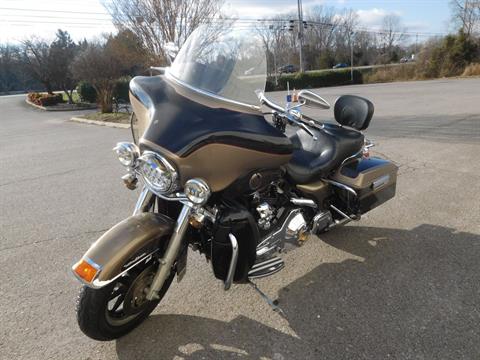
(351, 55)
(416, 44)
(300, 33)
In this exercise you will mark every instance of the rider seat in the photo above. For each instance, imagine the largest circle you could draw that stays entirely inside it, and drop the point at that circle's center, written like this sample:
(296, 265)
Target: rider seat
(314, 159)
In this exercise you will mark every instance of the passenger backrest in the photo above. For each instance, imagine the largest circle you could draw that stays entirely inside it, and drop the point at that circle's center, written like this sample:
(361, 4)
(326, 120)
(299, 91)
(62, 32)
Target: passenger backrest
(353, 111)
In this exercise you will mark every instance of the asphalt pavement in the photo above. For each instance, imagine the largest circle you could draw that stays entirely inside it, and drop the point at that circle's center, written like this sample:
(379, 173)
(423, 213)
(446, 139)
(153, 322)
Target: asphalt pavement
(403, 283)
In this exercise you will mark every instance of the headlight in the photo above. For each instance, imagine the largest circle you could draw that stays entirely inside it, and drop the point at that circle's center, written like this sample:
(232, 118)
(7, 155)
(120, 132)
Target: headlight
(159, 175)
(127, 153)
(197, 191)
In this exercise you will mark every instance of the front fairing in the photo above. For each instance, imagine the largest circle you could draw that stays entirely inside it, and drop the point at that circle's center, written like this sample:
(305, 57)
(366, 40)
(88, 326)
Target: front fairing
(204, 110)
(217, 144)
(181, 125)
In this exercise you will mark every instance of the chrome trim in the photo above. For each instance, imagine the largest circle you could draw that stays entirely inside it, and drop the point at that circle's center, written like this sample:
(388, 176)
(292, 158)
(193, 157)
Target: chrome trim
(368, 143)
(168, 166)
(143, 201)
(342, 186)
(160, 70)
(264, 100)
(172, 78)
(358, 154)
(292, 114)
(130, 148)
(296, 226)
(310, 96)
(199, 184)
(271, 242)
(173, 197)
(266, 264)
(303, 202)
(341, 213)
(96, 284)
(338, 223)
(321, 216)
(171, 253)
(266, 268)
(381, 181)
(92, 263)
(233, 262)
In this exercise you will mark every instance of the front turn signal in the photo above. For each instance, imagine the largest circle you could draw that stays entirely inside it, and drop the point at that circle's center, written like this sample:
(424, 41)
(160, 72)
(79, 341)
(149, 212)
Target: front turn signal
(85, 271)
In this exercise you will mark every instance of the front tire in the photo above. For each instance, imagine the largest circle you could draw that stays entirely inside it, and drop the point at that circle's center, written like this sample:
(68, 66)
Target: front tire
(116, 309)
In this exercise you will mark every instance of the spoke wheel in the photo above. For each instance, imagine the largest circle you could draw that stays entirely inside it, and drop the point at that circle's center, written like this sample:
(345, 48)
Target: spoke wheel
(128, 296)
(114, 310)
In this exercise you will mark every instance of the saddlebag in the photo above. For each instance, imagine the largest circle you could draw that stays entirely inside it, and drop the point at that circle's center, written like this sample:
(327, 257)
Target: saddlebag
(373, 179)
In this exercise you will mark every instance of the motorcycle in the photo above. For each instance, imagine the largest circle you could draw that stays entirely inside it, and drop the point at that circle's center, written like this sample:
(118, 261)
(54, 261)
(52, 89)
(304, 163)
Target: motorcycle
(221, 178)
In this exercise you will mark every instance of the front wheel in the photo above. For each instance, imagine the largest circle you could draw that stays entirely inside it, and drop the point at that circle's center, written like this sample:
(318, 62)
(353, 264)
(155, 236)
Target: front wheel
(116, 309)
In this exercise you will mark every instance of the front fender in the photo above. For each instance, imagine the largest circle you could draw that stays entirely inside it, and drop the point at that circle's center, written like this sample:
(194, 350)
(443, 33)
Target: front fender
(122, 243)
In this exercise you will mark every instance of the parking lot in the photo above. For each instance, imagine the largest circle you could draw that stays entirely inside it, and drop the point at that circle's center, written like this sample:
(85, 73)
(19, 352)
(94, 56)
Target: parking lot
(403, 283)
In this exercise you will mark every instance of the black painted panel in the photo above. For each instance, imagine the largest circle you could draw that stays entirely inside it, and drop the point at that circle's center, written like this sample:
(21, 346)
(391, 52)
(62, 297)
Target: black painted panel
(182, 126)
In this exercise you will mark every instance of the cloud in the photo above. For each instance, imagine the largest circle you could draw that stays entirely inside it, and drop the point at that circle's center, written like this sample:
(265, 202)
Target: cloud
(264, 8)
(253, 12)
(373, 17)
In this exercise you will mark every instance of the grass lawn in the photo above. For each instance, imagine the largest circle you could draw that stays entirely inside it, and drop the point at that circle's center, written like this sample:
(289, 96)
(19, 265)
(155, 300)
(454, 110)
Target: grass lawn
(120, 117)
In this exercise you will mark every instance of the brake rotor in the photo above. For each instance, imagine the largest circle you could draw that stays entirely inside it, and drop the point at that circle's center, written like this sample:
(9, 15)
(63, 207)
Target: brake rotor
(136, 297)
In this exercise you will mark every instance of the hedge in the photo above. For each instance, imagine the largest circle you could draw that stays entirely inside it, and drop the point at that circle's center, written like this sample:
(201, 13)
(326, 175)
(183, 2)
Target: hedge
(315, 79)
(122, 88)
(87, 92)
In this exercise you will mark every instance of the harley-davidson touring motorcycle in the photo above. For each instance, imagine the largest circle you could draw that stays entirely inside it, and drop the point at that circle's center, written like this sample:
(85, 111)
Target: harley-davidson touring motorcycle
(227, 172)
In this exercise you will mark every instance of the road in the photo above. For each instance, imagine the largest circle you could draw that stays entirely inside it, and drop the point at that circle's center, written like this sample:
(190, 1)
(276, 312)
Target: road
(403, 283)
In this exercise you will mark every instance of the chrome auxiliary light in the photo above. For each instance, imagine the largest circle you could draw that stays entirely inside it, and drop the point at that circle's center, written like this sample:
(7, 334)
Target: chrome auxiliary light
(127, 153)
(197, 191)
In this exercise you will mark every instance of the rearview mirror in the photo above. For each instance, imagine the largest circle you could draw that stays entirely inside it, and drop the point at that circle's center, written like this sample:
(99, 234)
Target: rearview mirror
(309, 98)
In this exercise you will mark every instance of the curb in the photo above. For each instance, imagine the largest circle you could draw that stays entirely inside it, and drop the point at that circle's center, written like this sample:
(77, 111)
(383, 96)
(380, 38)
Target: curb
(100, 123)
(35, 105)
(49, 109)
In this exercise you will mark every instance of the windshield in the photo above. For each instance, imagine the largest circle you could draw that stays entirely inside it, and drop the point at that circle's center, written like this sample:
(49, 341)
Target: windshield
(224, 59)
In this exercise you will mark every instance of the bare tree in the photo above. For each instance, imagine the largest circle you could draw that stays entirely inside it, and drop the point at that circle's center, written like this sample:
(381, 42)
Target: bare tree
(344, 34)
(391, 34)
(97, 65)
(102, 64)
(157, 22)
(37, 61)
(365, 48)
(269, 32)
(324, 23)
(466, 15)
(9, 66)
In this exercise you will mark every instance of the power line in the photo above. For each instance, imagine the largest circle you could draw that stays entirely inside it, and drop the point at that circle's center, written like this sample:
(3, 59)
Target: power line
(9, 17)
(55, 11)
(244, 21)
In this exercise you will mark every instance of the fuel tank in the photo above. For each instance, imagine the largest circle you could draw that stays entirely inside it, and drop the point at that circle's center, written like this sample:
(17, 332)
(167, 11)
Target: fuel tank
(203, 136)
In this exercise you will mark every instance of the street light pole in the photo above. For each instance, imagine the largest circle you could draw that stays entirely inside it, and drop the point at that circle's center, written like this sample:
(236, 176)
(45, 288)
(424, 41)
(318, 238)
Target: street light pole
(300, 33)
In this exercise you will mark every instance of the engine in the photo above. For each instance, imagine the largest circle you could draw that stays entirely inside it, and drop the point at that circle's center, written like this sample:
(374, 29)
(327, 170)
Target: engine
(268, 205)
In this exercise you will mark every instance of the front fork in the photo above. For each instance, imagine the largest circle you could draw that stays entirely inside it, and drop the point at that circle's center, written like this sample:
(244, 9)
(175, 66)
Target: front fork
(144, 201)
(174, 245)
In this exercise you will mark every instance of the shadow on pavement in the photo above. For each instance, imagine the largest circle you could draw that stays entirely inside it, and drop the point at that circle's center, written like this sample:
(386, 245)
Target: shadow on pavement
(415, 295)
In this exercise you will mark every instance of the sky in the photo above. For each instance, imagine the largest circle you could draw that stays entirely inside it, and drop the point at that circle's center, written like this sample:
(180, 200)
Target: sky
(20, 19)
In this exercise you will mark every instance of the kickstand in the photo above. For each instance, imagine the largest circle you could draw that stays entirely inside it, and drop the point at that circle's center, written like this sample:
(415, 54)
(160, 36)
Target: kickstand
(272, 303)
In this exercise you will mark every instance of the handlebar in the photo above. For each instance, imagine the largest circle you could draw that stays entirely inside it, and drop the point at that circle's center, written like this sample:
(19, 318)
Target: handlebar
(264, 101)
(292, 115)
